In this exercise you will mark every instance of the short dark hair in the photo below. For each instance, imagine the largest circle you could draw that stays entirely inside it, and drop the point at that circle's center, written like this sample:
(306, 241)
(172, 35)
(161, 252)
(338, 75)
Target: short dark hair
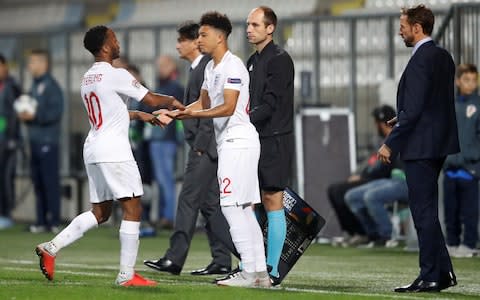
(269, 16)
(217, 20)
(422, 15)
(41, 52)
(466, 68)
(95, 38)
(3, 61)
(383, 113)
(188, 30)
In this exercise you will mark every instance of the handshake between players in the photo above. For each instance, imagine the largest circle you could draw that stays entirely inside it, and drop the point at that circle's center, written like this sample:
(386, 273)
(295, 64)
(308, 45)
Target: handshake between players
(161, 117)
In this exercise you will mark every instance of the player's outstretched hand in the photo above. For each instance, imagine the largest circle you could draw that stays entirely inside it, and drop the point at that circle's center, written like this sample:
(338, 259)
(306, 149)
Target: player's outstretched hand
(161, 115)
(177, 104)
(180, 114)
(149, 118)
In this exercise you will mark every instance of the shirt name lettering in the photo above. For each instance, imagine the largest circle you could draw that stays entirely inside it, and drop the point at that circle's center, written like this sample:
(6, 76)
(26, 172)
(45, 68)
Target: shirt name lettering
(92, 78)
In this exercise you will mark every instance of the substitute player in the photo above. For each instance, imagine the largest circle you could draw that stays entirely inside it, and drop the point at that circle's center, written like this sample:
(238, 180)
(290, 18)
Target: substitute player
(200, 186)
(112, 171)
(224, 96)
(271, 111)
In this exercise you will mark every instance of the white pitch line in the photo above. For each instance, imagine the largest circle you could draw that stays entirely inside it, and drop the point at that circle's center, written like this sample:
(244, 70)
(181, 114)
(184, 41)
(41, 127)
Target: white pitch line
(58, 271)
(179, 282)
(19, 282)
(17, 261)
(83, 266)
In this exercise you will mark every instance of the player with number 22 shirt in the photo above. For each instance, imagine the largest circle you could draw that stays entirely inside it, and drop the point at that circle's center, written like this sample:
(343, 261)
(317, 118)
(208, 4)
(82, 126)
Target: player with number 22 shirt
(224, 97)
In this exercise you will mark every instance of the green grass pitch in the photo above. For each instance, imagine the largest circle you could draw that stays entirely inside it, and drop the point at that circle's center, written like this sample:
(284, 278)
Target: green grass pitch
(87, 269)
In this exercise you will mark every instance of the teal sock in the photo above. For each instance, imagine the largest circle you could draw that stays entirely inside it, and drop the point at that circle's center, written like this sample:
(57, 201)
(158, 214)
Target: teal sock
(277, 230)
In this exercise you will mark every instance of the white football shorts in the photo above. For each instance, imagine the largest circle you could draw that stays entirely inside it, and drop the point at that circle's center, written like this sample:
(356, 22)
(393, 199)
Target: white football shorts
(113, 181)
(238, 175)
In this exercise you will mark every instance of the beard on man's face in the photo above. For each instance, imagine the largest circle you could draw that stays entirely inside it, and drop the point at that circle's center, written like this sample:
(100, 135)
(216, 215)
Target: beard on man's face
(408, 40)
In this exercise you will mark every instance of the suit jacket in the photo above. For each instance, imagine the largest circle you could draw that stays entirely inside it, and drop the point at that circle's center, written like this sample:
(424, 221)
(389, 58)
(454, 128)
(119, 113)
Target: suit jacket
(427, 126)
(199, 133)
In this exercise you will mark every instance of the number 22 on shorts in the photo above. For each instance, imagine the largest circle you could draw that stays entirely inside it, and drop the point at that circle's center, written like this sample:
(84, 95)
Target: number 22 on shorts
(225, 186)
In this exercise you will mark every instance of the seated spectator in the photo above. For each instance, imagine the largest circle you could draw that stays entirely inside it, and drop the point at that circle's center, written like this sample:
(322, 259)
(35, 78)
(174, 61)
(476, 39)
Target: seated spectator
(369, 170)
(367, 202)
(462, 170)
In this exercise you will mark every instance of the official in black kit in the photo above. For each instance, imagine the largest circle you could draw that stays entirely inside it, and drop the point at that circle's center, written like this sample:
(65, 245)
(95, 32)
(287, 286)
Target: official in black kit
(271, 111)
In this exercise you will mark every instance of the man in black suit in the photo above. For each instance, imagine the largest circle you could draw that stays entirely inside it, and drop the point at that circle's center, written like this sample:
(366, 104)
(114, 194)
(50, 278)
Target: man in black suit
(200, 191)
(424, 133)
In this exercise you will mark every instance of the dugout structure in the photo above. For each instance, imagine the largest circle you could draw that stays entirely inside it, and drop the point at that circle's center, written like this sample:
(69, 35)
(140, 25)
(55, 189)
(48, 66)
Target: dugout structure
(325, 154)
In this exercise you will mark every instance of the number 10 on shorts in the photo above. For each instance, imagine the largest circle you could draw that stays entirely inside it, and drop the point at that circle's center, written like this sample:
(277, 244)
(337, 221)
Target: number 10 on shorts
(225, 186)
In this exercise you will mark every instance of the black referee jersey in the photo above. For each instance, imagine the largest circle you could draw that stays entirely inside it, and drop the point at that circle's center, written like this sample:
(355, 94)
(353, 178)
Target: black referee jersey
(271, 91)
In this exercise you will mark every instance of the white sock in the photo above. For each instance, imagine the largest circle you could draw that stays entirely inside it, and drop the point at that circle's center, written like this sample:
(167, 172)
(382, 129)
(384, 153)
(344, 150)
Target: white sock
(241, 236)
(257, 240)
(75, 230)
(129, 231)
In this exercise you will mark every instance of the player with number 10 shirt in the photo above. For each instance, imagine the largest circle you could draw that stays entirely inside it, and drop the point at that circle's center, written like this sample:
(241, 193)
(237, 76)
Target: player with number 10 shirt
(112, 171)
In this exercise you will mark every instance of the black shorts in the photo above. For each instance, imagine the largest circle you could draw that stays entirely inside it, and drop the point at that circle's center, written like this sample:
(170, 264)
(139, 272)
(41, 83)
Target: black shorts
(275, 164)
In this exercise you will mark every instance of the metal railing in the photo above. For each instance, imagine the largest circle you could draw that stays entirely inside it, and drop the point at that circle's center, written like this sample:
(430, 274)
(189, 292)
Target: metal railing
(460, 33)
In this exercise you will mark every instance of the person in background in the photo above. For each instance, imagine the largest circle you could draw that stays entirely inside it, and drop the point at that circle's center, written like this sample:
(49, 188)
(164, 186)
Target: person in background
(367, 171)
(44, 129)
(163, 142)
(9, 136)
(367, 201)
(462, 170)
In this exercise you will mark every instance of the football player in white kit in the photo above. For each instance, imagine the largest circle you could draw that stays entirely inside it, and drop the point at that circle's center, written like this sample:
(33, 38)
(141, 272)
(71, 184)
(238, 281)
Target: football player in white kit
(224, 97)
(112, 171)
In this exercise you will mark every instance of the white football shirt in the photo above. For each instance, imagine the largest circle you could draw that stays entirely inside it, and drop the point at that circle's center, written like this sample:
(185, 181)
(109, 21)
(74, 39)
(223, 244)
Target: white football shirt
(232, 74)
(105, 92)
